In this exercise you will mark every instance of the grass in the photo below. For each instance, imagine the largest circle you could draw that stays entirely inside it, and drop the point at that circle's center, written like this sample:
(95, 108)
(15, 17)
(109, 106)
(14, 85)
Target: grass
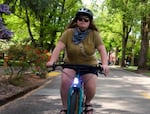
(147, 73)
(131, 68)
(134, 69)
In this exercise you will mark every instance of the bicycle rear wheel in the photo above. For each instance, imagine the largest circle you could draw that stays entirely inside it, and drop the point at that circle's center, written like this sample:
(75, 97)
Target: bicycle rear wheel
(74, 102)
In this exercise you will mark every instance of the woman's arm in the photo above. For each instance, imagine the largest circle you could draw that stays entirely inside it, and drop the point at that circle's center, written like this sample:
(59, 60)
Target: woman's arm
(104, 58)
(55, 54)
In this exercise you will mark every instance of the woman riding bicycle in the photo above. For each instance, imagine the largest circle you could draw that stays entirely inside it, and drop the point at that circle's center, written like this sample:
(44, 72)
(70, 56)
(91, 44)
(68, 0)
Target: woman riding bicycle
(80, 40)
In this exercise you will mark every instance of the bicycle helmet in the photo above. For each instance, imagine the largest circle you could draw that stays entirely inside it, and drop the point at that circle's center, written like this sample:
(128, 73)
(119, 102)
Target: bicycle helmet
(85, 11)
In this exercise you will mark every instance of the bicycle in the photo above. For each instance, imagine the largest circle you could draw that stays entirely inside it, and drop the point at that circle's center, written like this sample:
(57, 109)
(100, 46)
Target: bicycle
(76, 96)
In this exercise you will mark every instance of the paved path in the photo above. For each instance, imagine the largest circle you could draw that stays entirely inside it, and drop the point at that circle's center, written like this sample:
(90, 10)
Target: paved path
(122, 92)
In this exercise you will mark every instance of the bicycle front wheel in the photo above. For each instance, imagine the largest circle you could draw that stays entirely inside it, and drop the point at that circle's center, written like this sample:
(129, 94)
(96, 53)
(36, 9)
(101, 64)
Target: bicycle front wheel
(74, 103)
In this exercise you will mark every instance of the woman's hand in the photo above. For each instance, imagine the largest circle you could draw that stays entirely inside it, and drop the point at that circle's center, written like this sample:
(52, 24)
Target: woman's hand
(49, 63)
(105, 69)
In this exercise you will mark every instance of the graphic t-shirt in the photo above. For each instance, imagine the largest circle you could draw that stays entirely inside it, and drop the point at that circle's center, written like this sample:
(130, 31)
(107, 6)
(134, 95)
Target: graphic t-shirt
(73, 52)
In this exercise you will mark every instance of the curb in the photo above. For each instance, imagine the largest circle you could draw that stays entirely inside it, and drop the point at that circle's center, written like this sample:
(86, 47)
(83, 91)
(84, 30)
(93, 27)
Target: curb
(22, 92)
(17, 95)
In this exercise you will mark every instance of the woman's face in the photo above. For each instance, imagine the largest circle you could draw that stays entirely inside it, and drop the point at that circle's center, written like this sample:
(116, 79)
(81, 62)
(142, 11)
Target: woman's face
(83, 22)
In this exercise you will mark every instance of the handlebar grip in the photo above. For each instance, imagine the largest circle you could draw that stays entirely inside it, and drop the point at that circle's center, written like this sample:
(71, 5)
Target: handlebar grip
(51, 68)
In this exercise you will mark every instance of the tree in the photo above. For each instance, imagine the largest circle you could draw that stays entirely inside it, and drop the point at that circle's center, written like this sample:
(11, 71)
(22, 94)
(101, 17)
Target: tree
(145, 29)
(44, 18)
(129, 13)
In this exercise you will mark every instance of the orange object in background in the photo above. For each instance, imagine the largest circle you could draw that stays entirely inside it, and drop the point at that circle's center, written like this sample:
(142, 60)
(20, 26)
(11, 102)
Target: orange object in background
(49, 55)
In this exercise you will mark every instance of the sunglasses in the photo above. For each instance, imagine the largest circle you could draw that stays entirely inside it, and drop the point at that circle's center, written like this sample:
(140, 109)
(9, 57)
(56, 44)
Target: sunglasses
(83, 19)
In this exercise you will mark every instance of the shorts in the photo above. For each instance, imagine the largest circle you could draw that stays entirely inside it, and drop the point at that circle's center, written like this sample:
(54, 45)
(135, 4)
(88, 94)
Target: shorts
(93, 71)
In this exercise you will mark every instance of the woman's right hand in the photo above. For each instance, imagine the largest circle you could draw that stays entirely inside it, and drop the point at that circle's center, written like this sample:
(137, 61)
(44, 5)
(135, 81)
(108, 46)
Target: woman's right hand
(49, 63)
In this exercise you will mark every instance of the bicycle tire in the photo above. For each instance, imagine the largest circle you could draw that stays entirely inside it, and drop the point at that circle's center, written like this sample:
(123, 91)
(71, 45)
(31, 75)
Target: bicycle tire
(74, 102)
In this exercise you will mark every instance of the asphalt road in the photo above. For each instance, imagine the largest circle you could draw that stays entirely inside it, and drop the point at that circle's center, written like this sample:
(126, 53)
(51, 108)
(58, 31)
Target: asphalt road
(122, 92)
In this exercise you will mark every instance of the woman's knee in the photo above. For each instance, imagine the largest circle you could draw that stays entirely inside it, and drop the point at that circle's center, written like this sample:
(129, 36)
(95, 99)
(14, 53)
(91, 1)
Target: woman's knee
(90, 82)
(67, 77)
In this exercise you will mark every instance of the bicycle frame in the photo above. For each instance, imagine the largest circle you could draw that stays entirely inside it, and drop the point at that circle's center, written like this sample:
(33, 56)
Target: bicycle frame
(76, 85)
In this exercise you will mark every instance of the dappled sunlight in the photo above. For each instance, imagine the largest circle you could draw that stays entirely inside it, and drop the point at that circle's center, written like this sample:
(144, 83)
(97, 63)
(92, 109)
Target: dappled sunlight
(106, 106)
(111, 86)
(118, 86)
(47, 98)
(137, 80)
(117, 104)
(51, 111)
(145, 94)
(53, 97)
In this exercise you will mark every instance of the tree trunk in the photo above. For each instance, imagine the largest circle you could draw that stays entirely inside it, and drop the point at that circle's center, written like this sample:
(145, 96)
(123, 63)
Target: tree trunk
(123, 52)
(144, 44)
(126, 31)
(29, 29)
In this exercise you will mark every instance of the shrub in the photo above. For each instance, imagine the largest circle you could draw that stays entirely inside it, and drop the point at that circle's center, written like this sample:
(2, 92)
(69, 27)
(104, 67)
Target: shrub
(22, 58)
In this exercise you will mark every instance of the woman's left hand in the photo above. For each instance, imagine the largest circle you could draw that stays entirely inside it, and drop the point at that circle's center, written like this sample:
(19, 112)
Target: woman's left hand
(105, 69)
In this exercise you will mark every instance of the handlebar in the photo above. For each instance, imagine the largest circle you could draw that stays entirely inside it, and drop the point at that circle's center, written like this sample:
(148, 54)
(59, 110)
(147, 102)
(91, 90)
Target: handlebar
(76, 67)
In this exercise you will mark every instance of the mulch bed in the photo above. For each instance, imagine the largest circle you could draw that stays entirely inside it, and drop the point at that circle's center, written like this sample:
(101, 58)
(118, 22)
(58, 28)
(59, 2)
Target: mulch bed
(9, 91)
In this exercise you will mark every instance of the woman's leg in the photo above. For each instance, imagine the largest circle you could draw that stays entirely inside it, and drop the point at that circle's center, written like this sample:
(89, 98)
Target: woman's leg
(66, 80)
(90, 81)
